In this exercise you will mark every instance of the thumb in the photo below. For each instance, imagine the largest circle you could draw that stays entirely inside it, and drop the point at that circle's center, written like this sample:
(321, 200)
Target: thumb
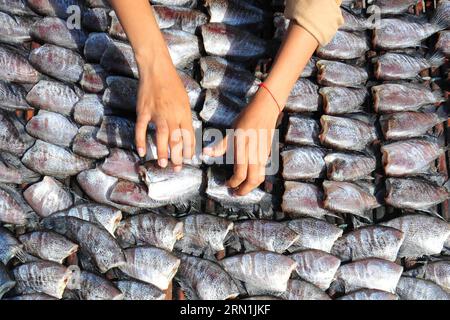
(218, 149)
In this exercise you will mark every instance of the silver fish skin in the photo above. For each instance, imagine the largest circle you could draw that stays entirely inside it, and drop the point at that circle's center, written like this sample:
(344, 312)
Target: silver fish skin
(393, 6)
(13, 208)
(398, 66)
(132, 194)
(12, 170)
(436, 271)
(95, 287)
(349, 166)
(419, 289)
(53, 96)
(48, 245)
(165, 185)
(16, 68)
(10, 247)
(6, 281)
(178, 3)
(217, 190)
(303, 199)
(303, 163)
(304, 97)
(302, 290)
(354, 23)
(409, 124)
(370, 273)
(13, 137)
(53, 128)
(314, 234)
(345, 46)
(179, 18)
(157, 230)
(105, 216)
(397, 97)
(346, 133)
(443, 42)
(414, 194)
(86, 144)
(47, 197)
(317, 267)
(221, 109)
(302, 130)
(32, 296)
(13, 97)
(93, 79)
(63, 164)
(55, 31)
(369, 294)
(372, 241)
(14, 29)
(54, 8)
(341, 100)
(121, 93)
(117, 132)
(97, 3)
(347, 197)
(96, 45)
(223, 75)
(410, 157)
(236, 13)
(265, 235)
(42, 277)
(58, 62)
(231, 42)
(151, 265)
(89, 110)
(122, 164)
(136, 290)
(97, 185)
(184, 47)
(115, 28)
(203, 233)
(424, 235)
(408, 31)
(95, 240)
(203, 279)
(335, 73)
(96, 19)
(16, 7)
(263, 272)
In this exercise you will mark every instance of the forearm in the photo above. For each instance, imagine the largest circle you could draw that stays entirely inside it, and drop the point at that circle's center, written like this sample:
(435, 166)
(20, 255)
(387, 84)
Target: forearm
(139, 23)
(294, 54)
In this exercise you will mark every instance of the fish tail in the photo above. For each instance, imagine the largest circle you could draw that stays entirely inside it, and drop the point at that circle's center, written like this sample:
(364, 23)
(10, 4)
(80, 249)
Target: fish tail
(436, 60)
(20, 254)
(441, 19)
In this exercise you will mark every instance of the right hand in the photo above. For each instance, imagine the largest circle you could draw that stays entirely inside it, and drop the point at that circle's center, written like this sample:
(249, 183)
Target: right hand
(162, 100)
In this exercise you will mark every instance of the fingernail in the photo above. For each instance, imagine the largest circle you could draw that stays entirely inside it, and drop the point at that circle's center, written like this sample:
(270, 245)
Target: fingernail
(177, 168)
(162, 163)
(141, 152)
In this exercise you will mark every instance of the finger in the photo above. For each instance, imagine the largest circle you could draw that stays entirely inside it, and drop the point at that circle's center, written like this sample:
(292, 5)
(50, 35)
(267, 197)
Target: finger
(255, 176)
(176, 146)
(240, 163)
(218, 149)
(140, 134)
(162, 142)
(188, 134)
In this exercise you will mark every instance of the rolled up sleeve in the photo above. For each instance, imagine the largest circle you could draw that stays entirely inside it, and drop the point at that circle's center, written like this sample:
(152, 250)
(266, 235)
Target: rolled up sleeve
(321, 18)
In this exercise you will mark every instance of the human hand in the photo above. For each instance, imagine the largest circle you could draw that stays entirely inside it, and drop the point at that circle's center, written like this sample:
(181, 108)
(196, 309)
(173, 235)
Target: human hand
(162, 100)
(252, 142)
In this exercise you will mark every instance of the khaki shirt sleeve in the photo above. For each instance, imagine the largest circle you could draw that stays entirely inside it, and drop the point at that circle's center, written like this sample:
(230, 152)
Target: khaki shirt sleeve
(321, 18)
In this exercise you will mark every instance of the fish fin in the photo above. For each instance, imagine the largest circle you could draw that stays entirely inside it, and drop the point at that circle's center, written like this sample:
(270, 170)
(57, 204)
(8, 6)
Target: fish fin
(20, 254)
(437, 59)
(358, 223)
(441, 18)
(433, 211)
(330, 214)
(439, 96)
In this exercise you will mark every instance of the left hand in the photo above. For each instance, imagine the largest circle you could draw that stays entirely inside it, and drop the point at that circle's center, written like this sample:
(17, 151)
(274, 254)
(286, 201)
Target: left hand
(253, 134)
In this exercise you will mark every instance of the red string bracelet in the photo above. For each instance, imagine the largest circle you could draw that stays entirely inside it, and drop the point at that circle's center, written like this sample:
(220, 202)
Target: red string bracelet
(262, 85)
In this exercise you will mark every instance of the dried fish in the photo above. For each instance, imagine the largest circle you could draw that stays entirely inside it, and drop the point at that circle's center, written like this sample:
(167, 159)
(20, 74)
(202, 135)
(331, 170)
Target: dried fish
(93, 79)
(304, 97)
(14, 29)
(334, 73)
(341, 100)
(13, 97)
(303, 163)
(345, 45)
(419, 289)
(54, 8)
(86, 144)
(10, 247)
(349, 166)
(303, 130)
(221, 109)
(13, 208)
(89, 110)
(179, 18)
(135, 290)
(369, 294)
(13, 171)
(16, 68)
(302, 290)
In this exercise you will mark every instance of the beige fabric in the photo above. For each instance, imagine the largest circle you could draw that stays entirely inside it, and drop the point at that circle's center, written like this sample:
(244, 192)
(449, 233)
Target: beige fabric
(321, 18)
